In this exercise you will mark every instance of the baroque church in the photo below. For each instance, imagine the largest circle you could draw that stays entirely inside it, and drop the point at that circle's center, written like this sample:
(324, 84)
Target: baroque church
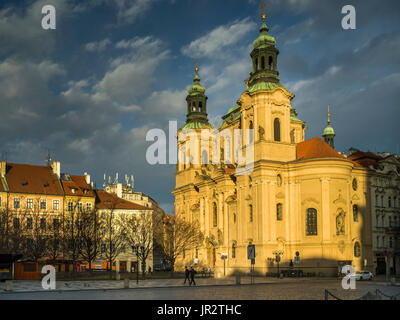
(298, 202)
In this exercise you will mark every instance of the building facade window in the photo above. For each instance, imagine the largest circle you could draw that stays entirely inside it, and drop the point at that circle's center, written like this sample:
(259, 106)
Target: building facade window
(29, 203)
(17, 203)
(355, 213)
(16, 222)
(234, 250)
(80, 207)
(311, 222)
(390, 202)
(215, 215)
(56, 224)
(43, 204)
(88, 206)
(357, 250)
(70, 206)
(56, 204)
(43, 223)
(251, 213)
(29, 223)
(279, 212)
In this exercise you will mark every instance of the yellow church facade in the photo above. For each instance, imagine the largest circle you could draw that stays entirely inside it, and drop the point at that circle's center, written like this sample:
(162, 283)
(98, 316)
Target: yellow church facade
(297, 199)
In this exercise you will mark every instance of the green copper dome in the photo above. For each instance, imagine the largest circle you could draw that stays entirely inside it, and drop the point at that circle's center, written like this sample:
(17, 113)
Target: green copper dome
(196, 87)
(196, 125)
(264, 39)
(328, 131)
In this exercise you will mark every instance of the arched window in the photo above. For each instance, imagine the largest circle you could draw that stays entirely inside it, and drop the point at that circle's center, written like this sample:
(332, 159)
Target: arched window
(215, 215)
(357, 250)
(204, 157)
(311, 222)
(200, 106)
(251, 213)
(270, 63)
(234, 250)
(194, 106)
(256, 64)
(279, 212)
(277, 130)
(390, 202)
(251, 132)
(355, 213)
(262, 63)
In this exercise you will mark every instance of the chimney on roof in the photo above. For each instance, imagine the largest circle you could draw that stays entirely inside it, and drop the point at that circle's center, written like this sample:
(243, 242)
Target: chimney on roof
(55, 167)
(3, 166)
(87, 177)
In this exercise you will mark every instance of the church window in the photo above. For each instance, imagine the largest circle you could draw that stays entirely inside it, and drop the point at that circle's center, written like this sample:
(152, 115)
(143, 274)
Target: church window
(215, 215)
(200, 106)
(277, 130)
(270, 63)
(234, 250)
(251, 213)
(251, 132)
(354, 184)
(311, 222)
(279, 212)
(256, 64)
(357, 250)
(355, 213)
(204, 157)
(262, 63)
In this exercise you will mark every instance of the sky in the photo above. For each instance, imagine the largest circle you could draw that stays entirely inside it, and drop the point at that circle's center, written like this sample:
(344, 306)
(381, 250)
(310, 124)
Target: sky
(90, 90)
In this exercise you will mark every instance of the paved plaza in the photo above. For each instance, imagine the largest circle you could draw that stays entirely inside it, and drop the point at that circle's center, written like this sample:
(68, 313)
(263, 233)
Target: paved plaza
(211, 289)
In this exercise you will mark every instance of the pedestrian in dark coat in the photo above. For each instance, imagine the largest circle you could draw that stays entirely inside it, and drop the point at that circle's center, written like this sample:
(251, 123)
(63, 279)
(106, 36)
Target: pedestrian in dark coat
(192, 273)
(186, 275)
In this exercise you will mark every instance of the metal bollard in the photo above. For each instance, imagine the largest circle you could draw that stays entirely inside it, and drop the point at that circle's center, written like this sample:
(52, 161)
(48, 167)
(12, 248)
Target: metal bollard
(126, 283)
(9, 285)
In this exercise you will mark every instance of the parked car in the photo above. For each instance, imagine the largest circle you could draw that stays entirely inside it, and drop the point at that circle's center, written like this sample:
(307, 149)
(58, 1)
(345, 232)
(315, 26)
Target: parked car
(362, 275)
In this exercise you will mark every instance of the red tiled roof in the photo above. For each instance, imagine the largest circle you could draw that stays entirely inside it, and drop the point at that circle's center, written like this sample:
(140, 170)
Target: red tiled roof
(364, 159)
(316, 148)
(79, 184)
(26, 178)
(105, 200)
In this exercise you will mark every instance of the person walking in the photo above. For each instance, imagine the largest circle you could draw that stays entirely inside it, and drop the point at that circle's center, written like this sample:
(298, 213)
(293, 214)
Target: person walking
(192, 273)
(186, 275)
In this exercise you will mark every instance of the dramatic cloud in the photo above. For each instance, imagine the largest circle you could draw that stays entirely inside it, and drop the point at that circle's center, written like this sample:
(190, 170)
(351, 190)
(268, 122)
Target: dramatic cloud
(215, 44)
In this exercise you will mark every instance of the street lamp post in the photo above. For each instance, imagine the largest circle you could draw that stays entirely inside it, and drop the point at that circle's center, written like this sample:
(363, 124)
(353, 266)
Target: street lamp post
(278, 255)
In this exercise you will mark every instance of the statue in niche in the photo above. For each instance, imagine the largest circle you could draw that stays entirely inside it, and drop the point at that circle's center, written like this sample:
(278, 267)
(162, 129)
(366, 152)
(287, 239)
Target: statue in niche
(340, 223)
(261, 132)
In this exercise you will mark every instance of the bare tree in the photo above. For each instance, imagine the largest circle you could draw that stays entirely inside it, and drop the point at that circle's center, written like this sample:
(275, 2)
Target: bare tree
(140, 232)
(178, 236)
(92, 229)
(114, 240)
(72, 234)
(55, 238)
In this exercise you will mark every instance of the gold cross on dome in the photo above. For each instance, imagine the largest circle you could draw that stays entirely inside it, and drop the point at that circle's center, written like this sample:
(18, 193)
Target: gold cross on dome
(197, 68)
(263, 16)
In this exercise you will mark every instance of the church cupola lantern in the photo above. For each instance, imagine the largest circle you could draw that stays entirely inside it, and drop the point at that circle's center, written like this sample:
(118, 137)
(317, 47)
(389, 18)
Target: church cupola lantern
(329, 133)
